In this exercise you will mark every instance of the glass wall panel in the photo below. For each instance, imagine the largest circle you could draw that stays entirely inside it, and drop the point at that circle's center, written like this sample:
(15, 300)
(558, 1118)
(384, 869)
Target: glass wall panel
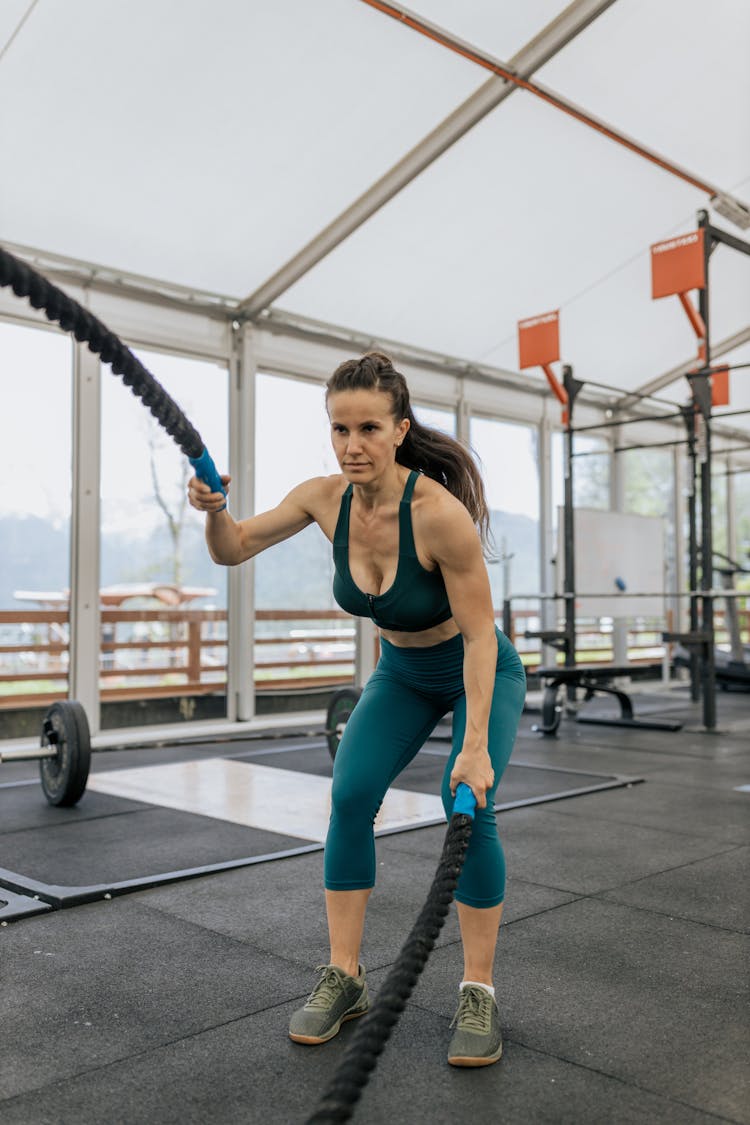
(163, 602)
(719, 513)
(35, 506)
(436, 418)
(648, 476)
(730, 485)
(303, 641)
(590, 472)
(742, 516)
(649, 491)
(591, 489)
(509, 458)
(742, 524)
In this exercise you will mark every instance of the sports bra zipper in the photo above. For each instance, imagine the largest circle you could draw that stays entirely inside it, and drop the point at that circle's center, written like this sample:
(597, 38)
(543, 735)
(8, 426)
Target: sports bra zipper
(371, 601)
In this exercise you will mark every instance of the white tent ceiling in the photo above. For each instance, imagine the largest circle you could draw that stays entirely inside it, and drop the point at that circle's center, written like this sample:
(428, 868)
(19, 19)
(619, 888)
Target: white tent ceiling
(205, 143)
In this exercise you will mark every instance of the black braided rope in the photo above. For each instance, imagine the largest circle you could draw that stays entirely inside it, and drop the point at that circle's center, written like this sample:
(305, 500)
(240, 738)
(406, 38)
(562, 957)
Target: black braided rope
(374, 1029)
(25, 281)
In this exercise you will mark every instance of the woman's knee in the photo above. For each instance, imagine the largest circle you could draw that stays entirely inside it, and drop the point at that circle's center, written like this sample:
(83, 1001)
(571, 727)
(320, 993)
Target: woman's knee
(353, 799)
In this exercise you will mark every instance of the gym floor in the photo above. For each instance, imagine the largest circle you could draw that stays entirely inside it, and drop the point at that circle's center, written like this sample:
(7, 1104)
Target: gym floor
(621, 967)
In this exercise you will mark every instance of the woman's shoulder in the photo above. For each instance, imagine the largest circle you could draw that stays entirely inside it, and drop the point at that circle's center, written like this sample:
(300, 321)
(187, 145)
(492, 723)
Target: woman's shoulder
(435, 507)
(433, 495)
(322, 490)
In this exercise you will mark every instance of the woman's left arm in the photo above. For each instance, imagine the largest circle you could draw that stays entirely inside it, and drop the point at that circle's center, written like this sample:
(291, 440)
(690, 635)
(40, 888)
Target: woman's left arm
(456, 547)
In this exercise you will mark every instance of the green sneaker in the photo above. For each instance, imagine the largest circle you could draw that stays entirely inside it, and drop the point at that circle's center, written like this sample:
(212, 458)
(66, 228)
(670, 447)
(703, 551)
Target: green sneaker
(337, 997)
(477, 1040)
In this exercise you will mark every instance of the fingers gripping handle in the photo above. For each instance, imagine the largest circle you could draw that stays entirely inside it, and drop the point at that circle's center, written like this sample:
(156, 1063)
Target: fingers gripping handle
(206, 470)
(465, 802)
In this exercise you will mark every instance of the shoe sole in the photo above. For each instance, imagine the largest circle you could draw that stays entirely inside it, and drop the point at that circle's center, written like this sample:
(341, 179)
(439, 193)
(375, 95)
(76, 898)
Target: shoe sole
(472, 1060)
(312, 1040)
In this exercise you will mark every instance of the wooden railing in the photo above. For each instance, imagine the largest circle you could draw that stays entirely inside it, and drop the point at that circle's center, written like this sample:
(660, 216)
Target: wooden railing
(180, 651)
(594, 643)
(152, 653)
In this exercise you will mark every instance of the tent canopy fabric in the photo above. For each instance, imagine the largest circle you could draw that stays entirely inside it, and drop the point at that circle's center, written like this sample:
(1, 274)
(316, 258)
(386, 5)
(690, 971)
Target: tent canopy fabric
(204, 144)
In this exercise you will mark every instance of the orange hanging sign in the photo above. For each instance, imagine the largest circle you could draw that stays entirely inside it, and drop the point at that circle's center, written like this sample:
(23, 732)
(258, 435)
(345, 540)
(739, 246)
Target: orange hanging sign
(678, 265)
(720, 386)
(539, 340)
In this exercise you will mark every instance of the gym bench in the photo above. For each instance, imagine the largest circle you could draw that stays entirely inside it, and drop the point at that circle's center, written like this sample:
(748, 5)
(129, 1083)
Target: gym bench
(593, 679)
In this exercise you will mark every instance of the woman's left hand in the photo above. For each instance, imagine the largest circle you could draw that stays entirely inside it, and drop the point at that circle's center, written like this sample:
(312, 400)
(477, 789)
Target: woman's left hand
(475, 770)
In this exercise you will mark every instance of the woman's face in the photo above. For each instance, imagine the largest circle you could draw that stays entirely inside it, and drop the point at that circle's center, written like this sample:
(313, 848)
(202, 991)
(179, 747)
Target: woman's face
(364, 434)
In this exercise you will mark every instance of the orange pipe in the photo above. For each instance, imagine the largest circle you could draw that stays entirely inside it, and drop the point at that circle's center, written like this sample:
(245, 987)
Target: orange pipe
(694, 317)
(558, 390)
(552, 99)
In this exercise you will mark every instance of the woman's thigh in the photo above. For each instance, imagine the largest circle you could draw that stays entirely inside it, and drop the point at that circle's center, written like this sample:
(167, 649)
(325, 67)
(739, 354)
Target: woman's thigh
(383, 733)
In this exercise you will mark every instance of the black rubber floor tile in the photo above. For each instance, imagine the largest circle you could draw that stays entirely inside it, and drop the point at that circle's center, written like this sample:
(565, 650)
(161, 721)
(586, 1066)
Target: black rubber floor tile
(584, 855)
(659, 1003)
(280, 907)
(723, 816)
(306, 758)
(720, 773)
(693, 743)
(250, 1072)
(601, 757)
(147, 841)
(523, 899)
(24, 807)
(713, 891)
(84, 987)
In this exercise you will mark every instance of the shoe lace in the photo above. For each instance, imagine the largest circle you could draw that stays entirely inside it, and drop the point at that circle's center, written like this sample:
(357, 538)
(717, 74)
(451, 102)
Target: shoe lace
(326, 990)
(474, 1010)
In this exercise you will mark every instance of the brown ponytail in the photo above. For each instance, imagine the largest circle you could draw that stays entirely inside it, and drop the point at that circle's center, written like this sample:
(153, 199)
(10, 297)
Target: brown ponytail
(435, 454)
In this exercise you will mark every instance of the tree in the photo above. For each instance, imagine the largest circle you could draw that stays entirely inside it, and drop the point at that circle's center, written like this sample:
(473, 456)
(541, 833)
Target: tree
(173, 507)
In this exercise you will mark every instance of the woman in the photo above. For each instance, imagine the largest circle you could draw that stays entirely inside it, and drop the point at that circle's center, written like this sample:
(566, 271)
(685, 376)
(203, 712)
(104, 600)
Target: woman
(407, 518)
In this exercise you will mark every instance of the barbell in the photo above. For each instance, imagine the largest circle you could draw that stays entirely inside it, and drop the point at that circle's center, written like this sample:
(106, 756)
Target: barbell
(64, 753)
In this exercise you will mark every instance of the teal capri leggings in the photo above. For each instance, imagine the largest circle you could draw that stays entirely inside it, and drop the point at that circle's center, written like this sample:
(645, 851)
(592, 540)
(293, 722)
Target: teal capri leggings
(408, 693)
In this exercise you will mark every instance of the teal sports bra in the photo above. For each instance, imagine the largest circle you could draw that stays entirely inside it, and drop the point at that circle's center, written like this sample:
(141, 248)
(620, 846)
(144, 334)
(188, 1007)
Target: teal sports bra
(417, 599)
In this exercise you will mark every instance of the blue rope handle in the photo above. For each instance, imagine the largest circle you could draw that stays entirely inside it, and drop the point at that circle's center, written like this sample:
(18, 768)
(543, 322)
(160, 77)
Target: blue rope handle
(206, 470)
(465, 802)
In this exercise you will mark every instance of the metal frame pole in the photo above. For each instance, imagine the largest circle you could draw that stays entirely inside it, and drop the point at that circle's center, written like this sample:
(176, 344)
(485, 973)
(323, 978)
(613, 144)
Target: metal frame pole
(617, 504)
(85, 524)
(241, 579)
(547, 614)
(688, 413)
(572, 387)
(708, 670)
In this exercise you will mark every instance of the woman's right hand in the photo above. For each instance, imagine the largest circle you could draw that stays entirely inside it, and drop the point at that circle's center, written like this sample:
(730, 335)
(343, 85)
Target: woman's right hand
(203, 499)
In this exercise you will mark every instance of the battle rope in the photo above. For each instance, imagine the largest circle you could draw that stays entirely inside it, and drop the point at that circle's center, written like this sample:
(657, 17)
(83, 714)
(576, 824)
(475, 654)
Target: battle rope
(374, 1029)
(25, 281)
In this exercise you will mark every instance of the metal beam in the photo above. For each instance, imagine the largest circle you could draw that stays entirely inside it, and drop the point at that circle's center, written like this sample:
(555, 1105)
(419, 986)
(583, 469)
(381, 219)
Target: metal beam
(573, 20)
(732, 209)
(654, 385)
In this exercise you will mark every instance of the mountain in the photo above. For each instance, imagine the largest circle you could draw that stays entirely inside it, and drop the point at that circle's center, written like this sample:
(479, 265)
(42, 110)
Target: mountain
(295, 574)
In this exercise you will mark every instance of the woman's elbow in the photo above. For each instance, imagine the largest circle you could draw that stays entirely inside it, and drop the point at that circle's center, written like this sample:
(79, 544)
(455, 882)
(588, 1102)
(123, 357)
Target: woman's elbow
(225, 556)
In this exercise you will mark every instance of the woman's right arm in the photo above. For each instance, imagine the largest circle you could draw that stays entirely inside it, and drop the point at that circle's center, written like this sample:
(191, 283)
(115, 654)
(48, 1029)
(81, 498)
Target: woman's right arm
(231, 542)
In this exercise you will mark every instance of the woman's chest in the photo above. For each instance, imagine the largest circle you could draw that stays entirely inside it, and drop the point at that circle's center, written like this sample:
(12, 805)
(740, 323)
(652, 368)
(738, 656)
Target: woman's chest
(375, 547)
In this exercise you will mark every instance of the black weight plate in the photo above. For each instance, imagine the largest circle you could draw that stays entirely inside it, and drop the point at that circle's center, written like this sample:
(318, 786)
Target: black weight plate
(340, 708)
(64, 777)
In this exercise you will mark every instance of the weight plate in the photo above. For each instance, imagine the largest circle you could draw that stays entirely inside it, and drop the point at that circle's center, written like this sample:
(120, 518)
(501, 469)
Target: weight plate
(66, 730)
(340, 708)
